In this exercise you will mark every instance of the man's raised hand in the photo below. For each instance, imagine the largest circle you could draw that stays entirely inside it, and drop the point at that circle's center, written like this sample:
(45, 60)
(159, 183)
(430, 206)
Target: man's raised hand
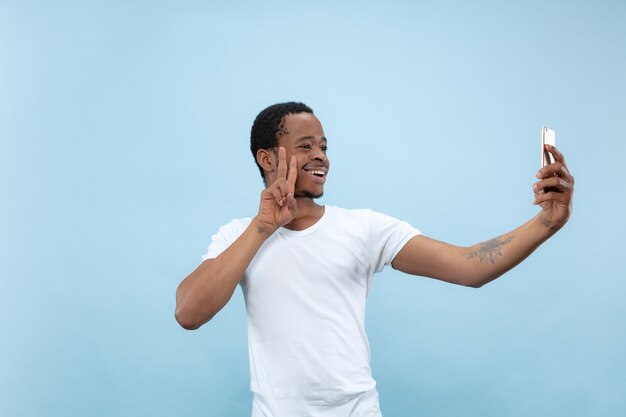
(554, 192)
(278, 205)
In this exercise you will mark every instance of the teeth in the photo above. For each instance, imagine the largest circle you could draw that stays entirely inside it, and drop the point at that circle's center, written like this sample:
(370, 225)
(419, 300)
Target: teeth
(315, 172)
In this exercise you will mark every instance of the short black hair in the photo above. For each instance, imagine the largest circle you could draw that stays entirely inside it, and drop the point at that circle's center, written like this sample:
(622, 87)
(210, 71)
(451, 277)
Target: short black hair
(269, 125)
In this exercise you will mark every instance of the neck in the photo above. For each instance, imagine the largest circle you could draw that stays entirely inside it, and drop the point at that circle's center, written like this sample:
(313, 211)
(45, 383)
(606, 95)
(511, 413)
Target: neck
(309, 212)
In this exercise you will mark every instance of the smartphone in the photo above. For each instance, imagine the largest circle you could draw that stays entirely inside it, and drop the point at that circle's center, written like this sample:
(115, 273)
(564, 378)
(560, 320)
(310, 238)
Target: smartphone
(547, 137)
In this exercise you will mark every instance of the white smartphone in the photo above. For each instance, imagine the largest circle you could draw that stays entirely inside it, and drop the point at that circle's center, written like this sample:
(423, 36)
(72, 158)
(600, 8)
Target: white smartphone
(548, 136)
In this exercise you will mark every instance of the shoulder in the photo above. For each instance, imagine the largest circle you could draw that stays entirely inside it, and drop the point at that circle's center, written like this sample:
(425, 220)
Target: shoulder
(235, 227)
(364, 214)
(225, 236)
(347, 215)
(374, 222)
(345, 212)
(362, 219)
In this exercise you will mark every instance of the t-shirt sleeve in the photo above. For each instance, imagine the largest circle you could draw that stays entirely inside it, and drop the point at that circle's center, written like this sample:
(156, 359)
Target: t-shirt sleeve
(225, 237)
(388, 236)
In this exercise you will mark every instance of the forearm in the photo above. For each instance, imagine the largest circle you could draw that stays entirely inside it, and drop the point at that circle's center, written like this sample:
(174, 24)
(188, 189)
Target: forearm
(479, 264)
(207, 289)
(488, 260)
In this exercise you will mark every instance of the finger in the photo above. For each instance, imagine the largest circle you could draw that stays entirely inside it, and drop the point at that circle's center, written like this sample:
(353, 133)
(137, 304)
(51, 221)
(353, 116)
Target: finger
(551, 170)
(564, 173)
(556, 170)
(293, 170)
(553, 183)
(558, 156)
(285, 187)
(551, 196)
(278, 196)
(282, 163)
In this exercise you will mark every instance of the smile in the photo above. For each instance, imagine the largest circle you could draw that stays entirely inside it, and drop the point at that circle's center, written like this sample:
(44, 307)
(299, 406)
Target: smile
(318, 174)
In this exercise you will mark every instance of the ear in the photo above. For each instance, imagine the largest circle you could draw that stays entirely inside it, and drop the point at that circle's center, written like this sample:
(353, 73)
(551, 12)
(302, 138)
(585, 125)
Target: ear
(266, 159)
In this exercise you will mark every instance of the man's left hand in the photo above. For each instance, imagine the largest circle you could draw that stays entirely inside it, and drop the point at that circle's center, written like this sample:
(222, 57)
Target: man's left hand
(554, 192)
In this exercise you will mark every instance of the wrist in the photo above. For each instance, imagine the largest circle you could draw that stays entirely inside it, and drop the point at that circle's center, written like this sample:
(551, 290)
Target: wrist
(262, 228)
(551, 225)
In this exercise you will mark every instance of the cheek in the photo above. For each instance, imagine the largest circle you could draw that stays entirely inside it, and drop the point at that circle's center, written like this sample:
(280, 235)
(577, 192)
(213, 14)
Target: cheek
(301, 162)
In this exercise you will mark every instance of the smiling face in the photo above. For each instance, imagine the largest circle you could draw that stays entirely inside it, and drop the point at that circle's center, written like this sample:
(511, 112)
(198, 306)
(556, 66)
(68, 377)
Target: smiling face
(302, 136)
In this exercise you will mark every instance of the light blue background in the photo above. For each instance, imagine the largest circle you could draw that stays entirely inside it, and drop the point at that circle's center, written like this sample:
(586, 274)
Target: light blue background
(124, 131)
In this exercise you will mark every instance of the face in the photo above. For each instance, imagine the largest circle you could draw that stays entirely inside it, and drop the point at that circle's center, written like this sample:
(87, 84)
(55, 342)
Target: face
(303, 137)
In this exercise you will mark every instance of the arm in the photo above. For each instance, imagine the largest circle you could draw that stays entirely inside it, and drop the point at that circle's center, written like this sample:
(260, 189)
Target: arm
(207, 289)
(476, 265)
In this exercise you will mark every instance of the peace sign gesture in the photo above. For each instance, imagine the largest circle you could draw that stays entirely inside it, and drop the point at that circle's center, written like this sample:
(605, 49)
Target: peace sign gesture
(278, 205)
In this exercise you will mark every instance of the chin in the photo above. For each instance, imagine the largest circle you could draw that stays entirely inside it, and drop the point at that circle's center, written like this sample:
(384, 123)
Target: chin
(309, 194)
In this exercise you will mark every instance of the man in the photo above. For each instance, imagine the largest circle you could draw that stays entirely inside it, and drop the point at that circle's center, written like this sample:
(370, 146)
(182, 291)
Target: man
(305, 270)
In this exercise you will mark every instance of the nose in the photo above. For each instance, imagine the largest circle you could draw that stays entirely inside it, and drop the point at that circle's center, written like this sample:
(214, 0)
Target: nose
(318, 154)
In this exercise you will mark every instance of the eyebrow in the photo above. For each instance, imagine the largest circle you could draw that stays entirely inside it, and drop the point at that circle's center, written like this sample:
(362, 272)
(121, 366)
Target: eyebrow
(324, 139)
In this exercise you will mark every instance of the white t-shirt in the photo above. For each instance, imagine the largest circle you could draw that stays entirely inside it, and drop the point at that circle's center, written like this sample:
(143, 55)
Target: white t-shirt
(305, 295)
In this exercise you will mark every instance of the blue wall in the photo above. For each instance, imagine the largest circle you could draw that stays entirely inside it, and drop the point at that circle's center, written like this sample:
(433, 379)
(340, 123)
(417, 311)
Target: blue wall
(123, 147)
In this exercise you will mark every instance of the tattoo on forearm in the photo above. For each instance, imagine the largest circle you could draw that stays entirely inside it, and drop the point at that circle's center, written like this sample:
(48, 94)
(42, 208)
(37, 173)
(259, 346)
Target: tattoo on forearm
(490, 250)
(547, 223)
